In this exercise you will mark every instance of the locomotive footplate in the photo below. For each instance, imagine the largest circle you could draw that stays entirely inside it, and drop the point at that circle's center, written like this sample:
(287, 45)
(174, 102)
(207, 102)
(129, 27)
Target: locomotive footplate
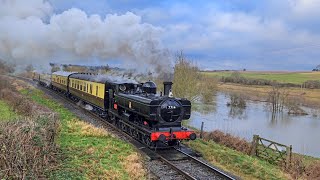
(169, 134)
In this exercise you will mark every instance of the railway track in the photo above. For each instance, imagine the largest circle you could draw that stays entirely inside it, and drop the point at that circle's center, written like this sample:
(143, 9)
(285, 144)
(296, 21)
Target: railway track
(191, 167)
(175, 163)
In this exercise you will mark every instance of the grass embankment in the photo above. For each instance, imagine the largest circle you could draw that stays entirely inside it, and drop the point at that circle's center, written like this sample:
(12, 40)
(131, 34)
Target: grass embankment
(281, 77)
(88, 152)
(6, 113)
(237, 163)
(232, 155)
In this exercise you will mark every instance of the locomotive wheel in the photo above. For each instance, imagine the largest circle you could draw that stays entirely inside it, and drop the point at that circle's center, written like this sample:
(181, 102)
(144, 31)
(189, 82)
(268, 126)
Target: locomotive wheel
(131, 132)
(123, 126)
(147, 140)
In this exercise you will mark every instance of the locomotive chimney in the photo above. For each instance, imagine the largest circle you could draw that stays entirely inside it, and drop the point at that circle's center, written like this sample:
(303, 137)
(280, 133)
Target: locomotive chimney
(167, 87)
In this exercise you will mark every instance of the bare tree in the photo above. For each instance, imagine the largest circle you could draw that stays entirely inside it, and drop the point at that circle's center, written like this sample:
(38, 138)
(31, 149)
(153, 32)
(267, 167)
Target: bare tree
(278, 97)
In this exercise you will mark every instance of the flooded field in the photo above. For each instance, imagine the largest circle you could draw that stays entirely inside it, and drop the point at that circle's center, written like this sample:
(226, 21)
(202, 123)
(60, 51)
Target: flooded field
(302, 132)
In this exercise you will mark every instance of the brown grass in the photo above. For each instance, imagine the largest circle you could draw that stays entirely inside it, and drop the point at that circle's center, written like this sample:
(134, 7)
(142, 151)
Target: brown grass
(313, 171)
(87, 129)
(134, 166)
(300, 169)
(27, 148)
(228, 140)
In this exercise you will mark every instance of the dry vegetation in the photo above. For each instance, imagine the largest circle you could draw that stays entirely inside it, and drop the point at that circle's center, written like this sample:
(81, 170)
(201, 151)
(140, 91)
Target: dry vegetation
(133, 166)
(28, 147)
(28, 143)
(278, 97)
(6, 68)
(228, 140)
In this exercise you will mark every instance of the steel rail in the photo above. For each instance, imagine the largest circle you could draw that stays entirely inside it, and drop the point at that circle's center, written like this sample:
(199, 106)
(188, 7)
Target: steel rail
(215, 170)
(185, 174)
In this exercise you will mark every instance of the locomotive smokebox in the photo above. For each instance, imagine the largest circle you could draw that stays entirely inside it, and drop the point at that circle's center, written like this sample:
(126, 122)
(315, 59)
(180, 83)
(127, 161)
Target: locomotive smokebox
(167, 86)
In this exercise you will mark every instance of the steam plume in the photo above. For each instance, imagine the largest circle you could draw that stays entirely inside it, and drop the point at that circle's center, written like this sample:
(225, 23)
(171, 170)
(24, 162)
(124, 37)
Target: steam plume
(31, 33)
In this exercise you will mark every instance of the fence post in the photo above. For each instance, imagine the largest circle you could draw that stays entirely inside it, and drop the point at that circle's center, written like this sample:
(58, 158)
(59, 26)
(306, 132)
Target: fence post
(201, 130)
(289, 154)
(254, 145)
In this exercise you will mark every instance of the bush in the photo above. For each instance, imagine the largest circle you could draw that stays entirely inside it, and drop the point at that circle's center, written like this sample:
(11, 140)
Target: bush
(312, 84)
(237, 100)
(6, 68)
(27, 147)
(228, 140)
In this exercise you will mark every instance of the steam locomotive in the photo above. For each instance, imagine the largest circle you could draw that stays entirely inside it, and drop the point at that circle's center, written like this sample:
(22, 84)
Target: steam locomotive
(133, 107)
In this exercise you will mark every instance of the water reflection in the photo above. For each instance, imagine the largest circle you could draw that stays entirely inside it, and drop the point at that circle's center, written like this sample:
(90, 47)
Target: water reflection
(299, 131)
(207, 107)
(237, 112)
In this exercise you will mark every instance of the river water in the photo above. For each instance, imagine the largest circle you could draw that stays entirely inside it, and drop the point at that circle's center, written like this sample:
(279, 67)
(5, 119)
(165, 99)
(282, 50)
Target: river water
(302, 132)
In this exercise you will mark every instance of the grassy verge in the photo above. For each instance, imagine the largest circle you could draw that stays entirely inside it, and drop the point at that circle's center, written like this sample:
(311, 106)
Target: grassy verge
(6, 113)
(230, 155)
(88, 152)
(237, 163)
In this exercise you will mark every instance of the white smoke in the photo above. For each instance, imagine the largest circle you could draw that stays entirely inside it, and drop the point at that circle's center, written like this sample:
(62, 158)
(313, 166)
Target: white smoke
(31, 33)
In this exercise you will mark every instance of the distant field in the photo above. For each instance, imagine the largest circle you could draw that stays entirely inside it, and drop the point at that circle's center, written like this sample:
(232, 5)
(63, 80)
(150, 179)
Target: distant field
(284, 77)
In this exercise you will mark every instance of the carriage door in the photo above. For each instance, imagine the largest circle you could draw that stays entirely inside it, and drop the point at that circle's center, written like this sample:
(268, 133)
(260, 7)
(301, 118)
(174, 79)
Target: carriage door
(106, 96)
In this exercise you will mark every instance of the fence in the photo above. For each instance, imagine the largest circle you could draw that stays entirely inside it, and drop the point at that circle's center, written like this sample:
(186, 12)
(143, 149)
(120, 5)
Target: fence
(271, 151)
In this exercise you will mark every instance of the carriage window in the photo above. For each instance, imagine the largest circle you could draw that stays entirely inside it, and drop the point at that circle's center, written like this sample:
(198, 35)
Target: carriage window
(97, 90)
(90, 88)
(80, 87)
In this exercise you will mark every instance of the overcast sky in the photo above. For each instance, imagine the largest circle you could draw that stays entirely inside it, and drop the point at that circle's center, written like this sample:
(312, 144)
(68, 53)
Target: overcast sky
(220, 34)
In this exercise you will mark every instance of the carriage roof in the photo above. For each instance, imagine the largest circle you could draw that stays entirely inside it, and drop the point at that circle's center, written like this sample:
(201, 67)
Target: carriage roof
(101, 78)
